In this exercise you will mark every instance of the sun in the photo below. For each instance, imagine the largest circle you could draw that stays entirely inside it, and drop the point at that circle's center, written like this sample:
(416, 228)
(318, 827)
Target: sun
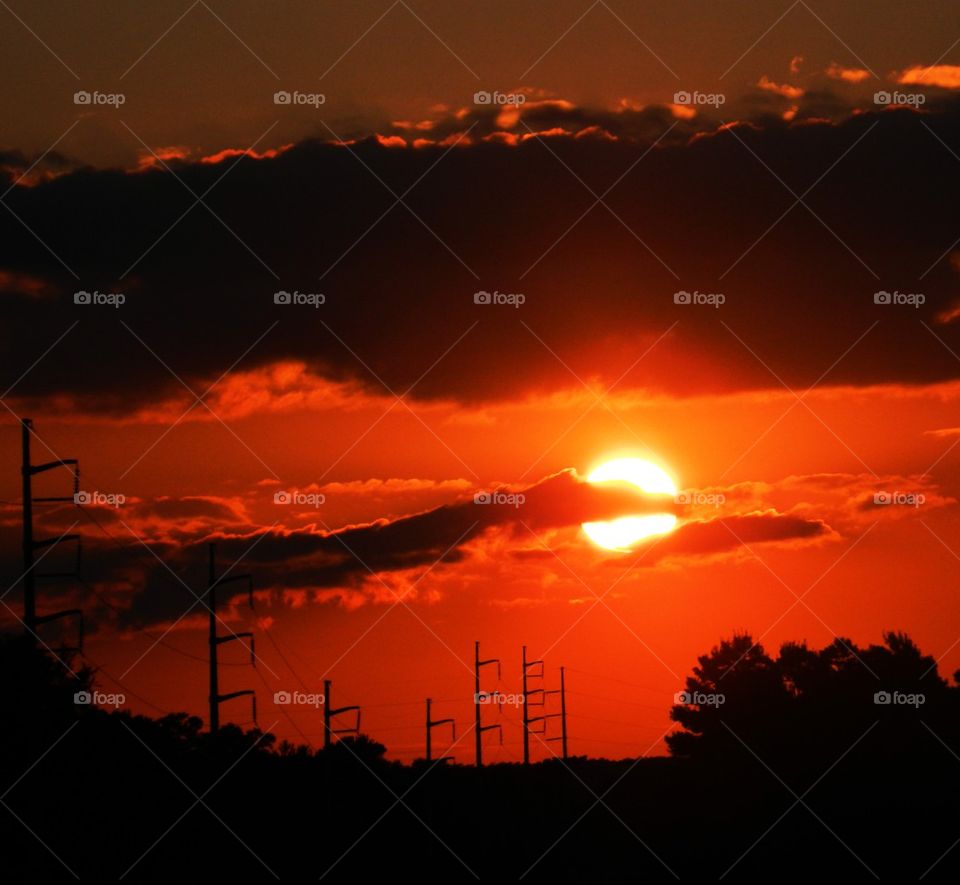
(624, 533)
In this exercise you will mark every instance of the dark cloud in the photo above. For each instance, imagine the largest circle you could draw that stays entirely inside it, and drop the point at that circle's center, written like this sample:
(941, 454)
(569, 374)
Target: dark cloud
(155, 582)
(15, 166)
(703, 538)
(595, 294)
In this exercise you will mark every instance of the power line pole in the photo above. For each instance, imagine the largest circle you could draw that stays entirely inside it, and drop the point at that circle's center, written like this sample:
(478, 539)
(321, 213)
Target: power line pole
(30, 618)
(563, 713)
(329, 713)
(479, 728)
(433, 723)
(214, 641)
(526, 703)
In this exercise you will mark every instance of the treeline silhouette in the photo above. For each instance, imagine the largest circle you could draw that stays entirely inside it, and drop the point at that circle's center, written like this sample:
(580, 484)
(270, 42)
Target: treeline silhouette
(842, 760)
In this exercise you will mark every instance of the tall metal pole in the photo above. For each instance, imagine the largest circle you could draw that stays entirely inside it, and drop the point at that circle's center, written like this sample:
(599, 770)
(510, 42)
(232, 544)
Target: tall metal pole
(211, 601)
(326, 713)
(478, 731)
(329, 712)
(429, 729)
(30, 544)
(479, 727)
(212, 605)
(432, 724)
(563, 715)
(526, 721)
(29, 592)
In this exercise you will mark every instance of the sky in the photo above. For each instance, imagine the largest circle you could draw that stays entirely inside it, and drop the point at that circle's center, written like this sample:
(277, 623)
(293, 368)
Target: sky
(720, 239)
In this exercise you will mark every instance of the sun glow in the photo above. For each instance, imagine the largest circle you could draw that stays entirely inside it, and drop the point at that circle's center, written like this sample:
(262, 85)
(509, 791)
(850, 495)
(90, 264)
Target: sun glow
(623, 533)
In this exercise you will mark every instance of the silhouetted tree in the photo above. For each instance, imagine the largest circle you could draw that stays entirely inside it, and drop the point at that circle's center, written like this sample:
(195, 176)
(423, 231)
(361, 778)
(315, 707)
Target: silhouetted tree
(809, 705)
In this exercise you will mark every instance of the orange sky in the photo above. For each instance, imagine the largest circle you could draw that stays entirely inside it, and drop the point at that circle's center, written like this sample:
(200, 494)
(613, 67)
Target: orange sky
(801, 168)
(875, 569)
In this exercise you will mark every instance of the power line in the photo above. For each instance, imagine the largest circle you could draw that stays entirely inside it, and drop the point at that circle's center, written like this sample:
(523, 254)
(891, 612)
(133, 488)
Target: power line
(160, 640)
(614, 679)
(99, 669)
(216, 641)
(615, 700)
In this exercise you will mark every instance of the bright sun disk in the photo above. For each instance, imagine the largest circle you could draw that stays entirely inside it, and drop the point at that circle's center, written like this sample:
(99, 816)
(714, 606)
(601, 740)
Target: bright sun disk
(623, 533)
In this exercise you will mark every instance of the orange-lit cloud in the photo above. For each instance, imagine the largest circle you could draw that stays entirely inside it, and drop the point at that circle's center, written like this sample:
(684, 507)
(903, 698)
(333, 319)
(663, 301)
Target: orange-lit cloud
(944, 76)
(784, 89)
(391, 141)
(320, 557)
(848, 75)
(229, 153)
(156, 159)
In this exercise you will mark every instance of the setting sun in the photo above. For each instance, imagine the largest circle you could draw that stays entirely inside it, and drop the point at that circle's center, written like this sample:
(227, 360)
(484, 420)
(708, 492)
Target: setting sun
(623, 533)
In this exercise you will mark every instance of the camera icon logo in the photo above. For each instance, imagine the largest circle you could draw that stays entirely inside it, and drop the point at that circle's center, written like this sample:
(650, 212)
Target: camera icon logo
(482, 498)
(482, 298)
(282, 297)
(682, 297)
(683, 498)
(282, 697)
(682, 97)
(282, 97)
(82, 298)
(82, 498)
(82, 97)
(482, 97)
(882, 298)
(682, 697)
(882, 97)
(882, 697)
(82, 697)
(282, 498)
(882, 498)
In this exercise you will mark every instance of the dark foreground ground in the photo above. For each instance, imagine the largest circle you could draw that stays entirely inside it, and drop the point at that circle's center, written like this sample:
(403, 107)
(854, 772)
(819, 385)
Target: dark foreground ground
(112, 809)
(775, 791)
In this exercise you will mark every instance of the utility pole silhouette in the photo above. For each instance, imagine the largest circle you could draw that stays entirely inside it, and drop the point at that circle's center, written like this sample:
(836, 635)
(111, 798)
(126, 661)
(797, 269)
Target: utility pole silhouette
(477, 694)
(526, 701)
(562, 691)
(329, 713)
(215, 697)
(433, 723)
(30, 618)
